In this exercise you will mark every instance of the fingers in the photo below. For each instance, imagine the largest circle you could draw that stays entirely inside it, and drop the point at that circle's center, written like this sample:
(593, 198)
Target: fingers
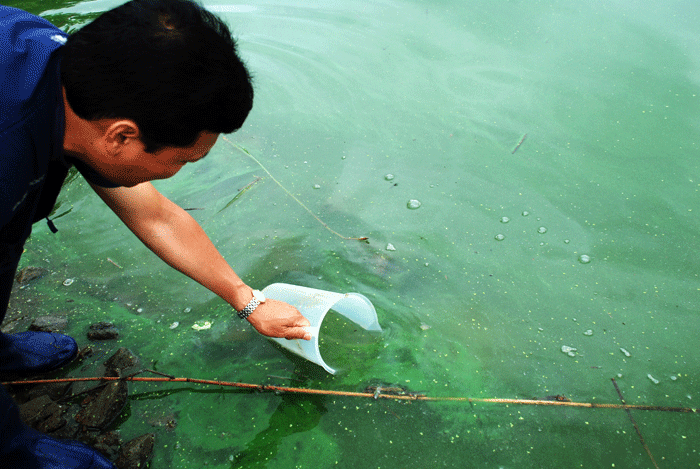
(298, 333)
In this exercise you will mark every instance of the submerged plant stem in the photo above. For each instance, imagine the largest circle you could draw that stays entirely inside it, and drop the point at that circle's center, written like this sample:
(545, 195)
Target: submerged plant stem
(240, 193)
(325, 225)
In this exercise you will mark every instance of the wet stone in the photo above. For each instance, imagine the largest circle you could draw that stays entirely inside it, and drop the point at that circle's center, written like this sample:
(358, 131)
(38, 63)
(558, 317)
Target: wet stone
(122, 363)
(136, 453)
(29, 273)
(106, 443)
(54, 391)
(101, 410)
(103, 331)
(49, 324)
(71, 429)
(42, 414)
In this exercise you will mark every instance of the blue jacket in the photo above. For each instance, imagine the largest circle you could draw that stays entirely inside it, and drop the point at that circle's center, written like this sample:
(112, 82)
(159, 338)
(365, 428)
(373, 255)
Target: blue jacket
(32, 165)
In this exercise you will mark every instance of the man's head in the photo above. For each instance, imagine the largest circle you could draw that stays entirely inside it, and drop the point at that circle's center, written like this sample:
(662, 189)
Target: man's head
(169, 66)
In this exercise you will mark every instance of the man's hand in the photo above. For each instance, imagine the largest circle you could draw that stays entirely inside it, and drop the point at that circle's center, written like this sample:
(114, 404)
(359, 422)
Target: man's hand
(278, 319)
(177, 238)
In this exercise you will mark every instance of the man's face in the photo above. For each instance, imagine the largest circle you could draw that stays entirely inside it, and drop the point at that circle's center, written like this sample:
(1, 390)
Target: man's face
(135, 166)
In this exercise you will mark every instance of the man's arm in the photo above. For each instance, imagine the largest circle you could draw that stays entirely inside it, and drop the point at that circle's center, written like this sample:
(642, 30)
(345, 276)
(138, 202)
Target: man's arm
(174, 236)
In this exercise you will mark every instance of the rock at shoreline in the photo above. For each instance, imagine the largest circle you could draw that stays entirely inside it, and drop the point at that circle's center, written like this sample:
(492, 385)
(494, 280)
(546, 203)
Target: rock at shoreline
(42, 414)
(54, 391)
(137, 452)
(103, 331)
(107, 443)
(101, 410)
(122, 363)
(49, 324)
(28, 274)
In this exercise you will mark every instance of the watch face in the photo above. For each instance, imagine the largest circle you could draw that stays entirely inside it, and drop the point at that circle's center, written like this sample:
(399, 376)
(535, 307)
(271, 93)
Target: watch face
(258, 295)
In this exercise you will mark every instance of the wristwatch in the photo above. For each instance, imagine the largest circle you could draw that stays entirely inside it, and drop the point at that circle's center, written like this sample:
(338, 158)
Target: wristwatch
(258, 298)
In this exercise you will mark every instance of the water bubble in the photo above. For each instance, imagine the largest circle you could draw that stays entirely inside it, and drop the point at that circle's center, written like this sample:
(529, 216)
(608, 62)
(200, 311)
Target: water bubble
(568, 350)
(566, 241)
(584, 259)
(201, 325)
(343, 157)
(413, 204)
(674, 377)
(505, 219)
(627, 354)
(187, 310)
(68, 282)
(653, 380)
(389, 177)
(588, 332)
(317, 186)
(525, 213)
(174, 325)
(541, 230)
(499, 237)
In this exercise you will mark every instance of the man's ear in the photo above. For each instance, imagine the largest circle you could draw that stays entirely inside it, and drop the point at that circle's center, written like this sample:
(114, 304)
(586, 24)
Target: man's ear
(121, 133)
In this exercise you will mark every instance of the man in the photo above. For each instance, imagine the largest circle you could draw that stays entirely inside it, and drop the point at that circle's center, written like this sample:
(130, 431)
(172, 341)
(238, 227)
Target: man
(131, 97)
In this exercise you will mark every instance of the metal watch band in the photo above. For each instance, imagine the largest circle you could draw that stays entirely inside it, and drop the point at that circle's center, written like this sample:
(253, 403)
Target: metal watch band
(248, 310)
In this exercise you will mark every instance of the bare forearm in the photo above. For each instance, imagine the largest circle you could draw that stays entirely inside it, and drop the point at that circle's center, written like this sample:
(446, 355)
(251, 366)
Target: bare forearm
(182, 243)
(171, 233)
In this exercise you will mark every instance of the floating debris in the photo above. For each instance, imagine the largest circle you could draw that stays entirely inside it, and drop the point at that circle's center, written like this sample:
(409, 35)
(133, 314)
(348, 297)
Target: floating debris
(652, 379)
(424, 326)
(519, 143)
(68, 282)
(201, 325)
(627, 354)
(114, 263)
(568, 350)
(390, 247)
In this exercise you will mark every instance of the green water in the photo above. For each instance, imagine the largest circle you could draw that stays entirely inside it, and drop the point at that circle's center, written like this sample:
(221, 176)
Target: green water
(438, 94)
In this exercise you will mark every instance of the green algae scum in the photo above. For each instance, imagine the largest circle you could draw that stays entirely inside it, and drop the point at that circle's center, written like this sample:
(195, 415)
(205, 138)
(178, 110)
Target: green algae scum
(495, 273)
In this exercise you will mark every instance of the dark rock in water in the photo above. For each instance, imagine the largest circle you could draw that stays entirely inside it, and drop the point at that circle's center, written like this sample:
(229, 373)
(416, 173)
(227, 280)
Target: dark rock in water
(29, 273)
(136, 453)
(42, 414)
(54, 391)
(103, 331)
(101, 410)
(49, 324)
(70, 430)
(122, 363)
(106, 443)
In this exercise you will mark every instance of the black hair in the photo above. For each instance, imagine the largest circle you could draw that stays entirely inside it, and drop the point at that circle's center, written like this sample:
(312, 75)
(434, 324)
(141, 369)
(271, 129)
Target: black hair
(169, 65)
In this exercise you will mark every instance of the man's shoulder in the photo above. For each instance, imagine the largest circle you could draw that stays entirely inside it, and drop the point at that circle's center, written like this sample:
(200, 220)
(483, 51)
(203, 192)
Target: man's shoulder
(27, 43)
